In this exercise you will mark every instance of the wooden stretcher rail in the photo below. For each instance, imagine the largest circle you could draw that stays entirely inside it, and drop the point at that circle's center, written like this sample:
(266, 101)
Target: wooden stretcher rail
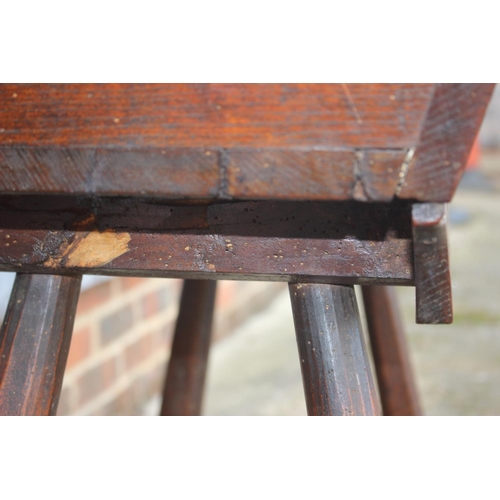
(322, 242)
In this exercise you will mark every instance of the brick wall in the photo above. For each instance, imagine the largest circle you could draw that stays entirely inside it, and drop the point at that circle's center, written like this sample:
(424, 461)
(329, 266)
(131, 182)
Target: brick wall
(122, 336)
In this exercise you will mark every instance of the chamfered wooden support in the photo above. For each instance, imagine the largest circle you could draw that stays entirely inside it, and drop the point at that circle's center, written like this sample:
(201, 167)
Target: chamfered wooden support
(183, 391)
(335, 369)
(431, 264)
(396, 385)
(269, 241)
(312, 242)
(34, 343)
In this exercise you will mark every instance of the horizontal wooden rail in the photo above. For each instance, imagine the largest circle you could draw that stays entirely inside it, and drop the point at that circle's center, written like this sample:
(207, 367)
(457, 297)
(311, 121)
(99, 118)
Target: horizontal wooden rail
(321, 242)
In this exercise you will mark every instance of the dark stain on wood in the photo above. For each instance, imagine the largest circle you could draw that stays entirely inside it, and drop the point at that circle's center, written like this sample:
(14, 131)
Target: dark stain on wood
(185, 380)
(432, 270)
(218, 142)
(335, 369)
(396, 384)
(34, 343)
(448, 132)
(323, 241)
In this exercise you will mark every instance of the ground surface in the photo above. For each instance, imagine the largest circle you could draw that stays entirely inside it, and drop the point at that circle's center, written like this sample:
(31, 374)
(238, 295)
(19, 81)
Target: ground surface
(256, 370)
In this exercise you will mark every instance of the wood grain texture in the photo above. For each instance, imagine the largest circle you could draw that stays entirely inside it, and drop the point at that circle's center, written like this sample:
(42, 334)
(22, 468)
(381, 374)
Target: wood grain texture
(185, 380)
(432, 268)
(238, 141)
(213, 115)
(396, 384)
(203, 174)
(335, 369)
(323, 242)
(34, 343)
(45, 170)
(451, 125)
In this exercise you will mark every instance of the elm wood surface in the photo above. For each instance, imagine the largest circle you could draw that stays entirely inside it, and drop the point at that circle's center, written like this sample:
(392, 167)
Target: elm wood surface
(432, 269)
(34, 343)
(335, 369)
(396, 385)
(201, 143)
(214, 115)
(185, 380)
(451, 125)
(238, 141)
(276, 241)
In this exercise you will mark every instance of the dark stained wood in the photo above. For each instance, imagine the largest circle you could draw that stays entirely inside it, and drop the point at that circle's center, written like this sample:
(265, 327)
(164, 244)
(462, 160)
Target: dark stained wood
(178, 173)
(34, 343)
(335, 369)
(451, 125)
(30, 170)
(313, 175)
(183, 392)
(231, 181)
(277, 241)
(235, 141)
(432, 269)
(396, 385)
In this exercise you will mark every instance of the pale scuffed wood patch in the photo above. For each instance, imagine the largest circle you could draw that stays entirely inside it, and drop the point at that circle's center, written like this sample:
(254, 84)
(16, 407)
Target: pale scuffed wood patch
(94, 249)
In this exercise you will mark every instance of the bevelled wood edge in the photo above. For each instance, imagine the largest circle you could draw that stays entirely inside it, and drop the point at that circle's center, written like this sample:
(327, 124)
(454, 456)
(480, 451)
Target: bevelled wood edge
(432, 270)
(276, 241)
(204, 174)
(335, 368)
(451, 125)
(34, 343)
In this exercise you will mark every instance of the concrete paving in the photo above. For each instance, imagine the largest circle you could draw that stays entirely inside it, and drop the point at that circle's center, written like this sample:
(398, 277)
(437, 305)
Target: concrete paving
(256, 370)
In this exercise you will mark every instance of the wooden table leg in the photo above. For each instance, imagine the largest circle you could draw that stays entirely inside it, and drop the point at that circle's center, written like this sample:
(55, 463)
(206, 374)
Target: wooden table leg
(34, 343)
(335, 369)
(183, 392)
(395, 380)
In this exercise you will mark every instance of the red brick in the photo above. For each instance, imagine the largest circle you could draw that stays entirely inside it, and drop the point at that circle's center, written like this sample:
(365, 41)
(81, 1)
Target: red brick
(96, 380)
(128, 283)
(225, 294)
(155, 302)
(139, 351)
(165, 335)
(94, 297)
(138, 393)
(80, 346)
(150, 305)
(116, 324)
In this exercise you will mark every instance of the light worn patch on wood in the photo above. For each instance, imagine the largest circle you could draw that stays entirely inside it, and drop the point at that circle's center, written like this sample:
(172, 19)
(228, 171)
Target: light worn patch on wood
(93, 250)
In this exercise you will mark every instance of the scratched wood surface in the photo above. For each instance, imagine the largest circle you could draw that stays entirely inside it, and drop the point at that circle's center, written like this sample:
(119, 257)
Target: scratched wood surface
(448, 132)
(318, 241)
(366, 142)
(335, 369)
(34, 343)
(208, 115)
(431, 264)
